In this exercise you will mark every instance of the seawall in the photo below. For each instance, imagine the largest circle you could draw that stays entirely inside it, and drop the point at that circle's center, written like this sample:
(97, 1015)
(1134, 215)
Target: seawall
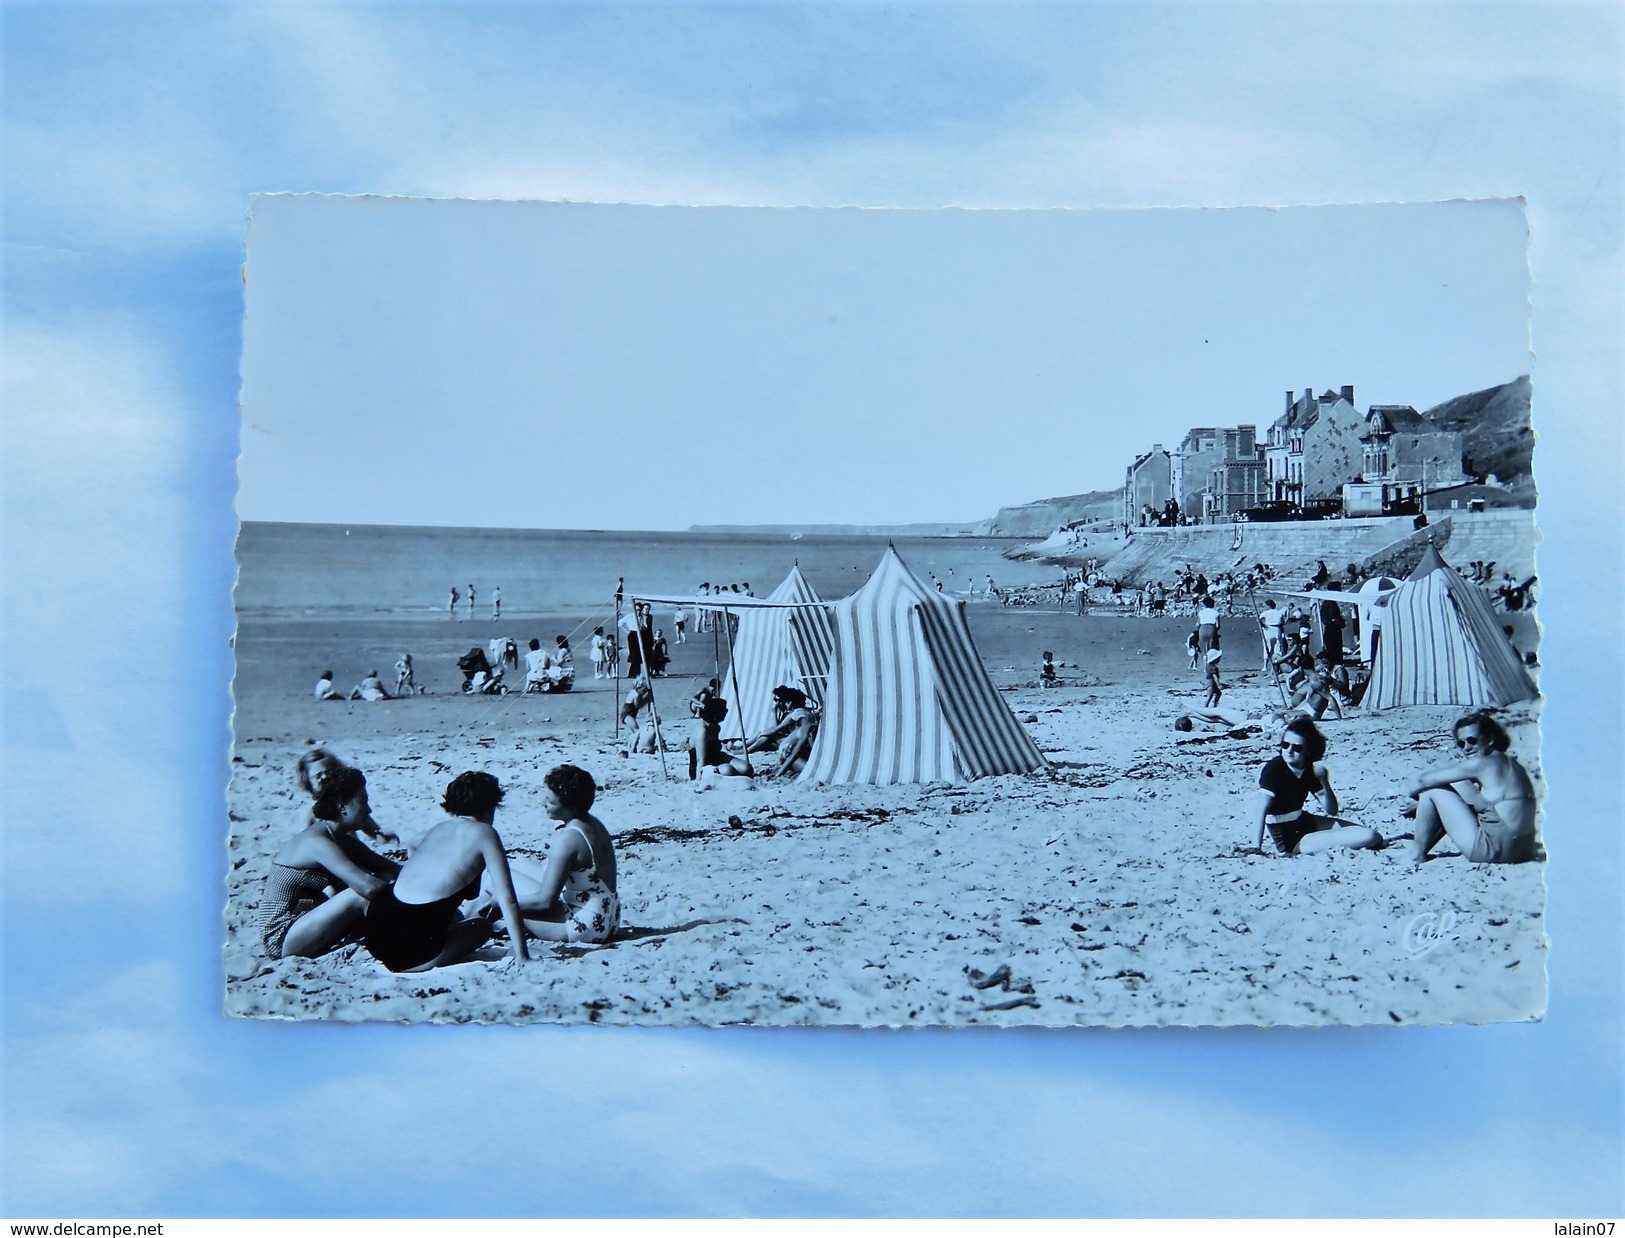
(1293, 548)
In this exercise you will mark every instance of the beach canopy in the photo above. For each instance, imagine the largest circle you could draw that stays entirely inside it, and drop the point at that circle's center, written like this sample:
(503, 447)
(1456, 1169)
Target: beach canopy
(1370, 601)
(908, 697)
(788, 644)
(1442, 644)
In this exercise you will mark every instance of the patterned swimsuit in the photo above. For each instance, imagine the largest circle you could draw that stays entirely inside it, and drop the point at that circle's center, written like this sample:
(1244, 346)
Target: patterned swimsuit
(289, 893)
(592, 911)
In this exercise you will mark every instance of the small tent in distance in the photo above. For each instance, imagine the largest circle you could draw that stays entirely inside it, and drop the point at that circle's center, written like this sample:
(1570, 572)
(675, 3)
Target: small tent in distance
(909, 699)
(1442, 644)
(773, 647)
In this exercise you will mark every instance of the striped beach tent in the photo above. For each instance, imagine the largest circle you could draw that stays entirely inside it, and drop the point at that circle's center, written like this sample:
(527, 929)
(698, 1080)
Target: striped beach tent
(909, 699)
(773, 647)
(1442, 644)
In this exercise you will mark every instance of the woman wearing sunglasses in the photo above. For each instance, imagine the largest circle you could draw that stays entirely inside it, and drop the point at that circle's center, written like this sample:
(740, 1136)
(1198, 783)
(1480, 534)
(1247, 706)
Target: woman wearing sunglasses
(1287, 781)
(1485, 801)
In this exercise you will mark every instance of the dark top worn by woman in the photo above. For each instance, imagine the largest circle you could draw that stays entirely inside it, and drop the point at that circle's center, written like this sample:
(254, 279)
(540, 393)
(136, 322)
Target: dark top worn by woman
(1288, 794)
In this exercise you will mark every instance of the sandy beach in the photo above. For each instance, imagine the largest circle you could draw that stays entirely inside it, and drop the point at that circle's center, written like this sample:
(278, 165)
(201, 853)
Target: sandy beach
(1117, 887)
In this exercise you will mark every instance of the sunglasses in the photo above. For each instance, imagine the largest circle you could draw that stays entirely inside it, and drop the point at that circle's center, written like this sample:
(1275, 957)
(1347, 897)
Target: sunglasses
(1286, 747)
(1474, 740)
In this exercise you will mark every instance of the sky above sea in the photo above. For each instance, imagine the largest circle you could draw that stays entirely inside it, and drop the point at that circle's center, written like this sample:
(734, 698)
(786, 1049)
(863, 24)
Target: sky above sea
(135, 137)
(583, 363)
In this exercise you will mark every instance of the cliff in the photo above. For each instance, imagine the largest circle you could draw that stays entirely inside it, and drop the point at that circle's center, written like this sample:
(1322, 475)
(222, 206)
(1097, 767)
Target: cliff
(1497, 432)
(1043, 516)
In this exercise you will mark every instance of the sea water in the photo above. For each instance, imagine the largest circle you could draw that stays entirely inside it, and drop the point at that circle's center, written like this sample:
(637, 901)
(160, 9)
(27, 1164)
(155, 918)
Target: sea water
(330, 571)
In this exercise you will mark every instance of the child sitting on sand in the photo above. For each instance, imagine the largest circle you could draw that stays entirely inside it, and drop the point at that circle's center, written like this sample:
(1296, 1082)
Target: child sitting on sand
(416, 924)
(319, 883)
(1047, 677)
(572, 897)
(641, 737)
(1285, 784)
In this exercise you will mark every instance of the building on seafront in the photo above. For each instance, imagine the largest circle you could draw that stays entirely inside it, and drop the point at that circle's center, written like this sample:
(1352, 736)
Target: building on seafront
(1404, 457)
(1147, 484)
(1314, 447)
(1221, 472)
(1321, 453)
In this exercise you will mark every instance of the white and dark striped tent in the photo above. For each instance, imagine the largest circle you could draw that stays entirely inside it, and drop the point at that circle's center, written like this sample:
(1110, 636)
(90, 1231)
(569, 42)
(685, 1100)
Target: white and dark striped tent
(1442, 644)
(785, 645)
(909, 699)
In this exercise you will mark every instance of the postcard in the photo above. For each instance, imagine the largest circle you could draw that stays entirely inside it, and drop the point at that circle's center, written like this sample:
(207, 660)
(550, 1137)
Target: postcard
(665, 615)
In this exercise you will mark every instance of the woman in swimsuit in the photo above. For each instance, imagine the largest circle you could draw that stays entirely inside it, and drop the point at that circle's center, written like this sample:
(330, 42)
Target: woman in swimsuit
(416, 924)
(297, 914)
(795, 727)
(1485, 801)
(572, 897)
(1285, 784)
(1235, 719)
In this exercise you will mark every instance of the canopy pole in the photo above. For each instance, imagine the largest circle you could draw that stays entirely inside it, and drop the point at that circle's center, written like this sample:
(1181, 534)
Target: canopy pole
(615, 705)
(739, 701)
(649, 679)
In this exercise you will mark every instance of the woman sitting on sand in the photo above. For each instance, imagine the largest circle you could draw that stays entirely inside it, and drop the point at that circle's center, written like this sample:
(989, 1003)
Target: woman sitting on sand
(537, 662)
(371, 688)
(1285, 784)
(416, 925)
(1485, 801)
(298, 917)
(1319, 689)
(795, 726)
(325, 691)
(572, 896)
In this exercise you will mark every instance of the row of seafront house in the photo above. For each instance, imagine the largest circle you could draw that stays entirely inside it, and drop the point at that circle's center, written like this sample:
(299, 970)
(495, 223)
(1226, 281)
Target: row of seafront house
(1321, 454)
